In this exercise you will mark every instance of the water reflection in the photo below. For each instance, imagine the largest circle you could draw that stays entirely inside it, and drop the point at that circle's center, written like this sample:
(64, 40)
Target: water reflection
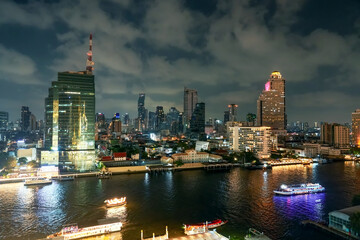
(117, 212)
(307, 206)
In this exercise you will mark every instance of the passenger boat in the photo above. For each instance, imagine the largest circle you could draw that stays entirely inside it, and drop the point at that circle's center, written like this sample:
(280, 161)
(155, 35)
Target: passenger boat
(115, 202)
(37, 181)
(72, 231)
(202, 227)
(299, 189)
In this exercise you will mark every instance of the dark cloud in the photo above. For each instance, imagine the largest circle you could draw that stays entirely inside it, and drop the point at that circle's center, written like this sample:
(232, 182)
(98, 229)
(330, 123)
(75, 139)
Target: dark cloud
(224, 49)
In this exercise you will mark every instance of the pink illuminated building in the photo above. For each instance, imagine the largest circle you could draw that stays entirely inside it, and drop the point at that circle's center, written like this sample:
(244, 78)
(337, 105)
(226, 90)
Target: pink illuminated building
(271, 103)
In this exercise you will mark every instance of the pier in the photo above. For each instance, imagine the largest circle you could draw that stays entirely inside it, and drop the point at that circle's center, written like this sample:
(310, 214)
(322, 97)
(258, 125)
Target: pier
(209, 235)
(323, 227)
(218, 167)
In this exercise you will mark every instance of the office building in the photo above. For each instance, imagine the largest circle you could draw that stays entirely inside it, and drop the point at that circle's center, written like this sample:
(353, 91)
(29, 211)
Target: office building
(190, 101)
(25, 119)
(4, 119)
(160, 118)
(335, 135)
(33, 125)
(232, 112)
(70, 122)
(255, 139)
(142, 112)
(152, 121)
(271, 103)
(197, 122)
(356, 128)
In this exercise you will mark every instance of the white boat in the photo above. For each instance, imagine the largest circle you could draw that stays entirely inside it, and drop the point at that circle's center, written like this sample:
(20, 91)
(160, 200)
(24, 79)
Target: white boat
(299, 189)
(115, 202)
(37, 181)
(72, 231)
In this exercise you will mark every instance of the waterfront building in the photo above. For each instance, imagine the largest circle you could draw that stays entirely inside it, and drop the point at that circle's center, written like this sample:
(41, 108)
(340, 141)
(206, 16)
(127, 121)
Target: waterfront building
(340, 219)
(190, 101)
(25, 119)
(197, 123)
(271, 103)
(232, 112)
(255, 139)
(70, 122)
(355, 116)
(4, 119)
(191, 156)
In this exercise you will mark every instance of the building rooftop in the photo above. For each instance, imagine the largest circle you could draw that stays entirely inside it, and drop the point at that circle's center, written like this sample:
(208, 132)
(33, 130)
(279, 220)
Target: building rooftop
(350, 210)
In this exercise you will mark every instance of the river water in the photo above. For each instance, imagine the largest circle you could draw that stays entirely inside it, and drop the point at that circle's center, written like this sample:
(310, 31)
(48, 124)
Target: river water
(244, 198)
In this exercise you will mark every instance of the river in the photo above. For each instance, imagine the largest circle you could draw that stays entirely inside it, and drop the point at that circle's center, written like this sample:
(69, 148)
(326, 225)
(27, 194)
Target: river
(244, 198)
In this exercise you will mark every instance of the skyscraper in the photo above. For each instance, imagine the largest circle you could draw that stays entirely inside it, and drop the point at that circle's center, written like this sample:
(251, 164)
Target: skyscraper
(4, 119)
(190, 101)
(142, 113)
(233, 112)
(160, 117)
(271, 103)
(355, 116)
(70, 120)
(25, 119)
(226, 116)
(197, 123)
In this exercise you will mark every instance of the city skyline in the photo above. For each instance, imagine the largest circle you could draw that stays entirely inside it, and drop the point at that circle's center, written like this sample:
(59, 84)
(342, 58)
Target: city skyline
(219, 49)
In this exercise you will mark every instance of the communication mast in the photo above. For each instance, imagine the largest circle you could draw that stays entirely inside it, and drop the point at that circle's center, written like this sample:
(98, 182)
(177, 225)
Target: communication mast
(89, 61)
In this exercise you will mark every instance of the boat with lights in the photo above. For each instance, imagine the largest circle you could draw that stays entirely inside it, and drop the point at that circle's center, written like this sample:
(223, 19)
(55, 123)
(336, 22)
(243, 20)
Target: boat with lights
(299, 189)
(37, 181)
(202, 227)
(72, 231)
(115, 202)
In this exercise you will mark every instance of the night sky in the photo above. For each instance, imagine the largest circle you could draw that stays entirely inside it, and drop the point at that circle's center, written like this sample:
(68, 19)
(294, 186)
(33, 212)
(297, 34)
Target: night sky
(224, 49)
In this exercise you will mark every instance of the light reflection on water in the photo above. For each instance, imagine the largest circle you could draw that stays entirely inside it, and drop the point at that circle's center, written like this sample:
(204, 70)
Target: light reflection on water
(245, 198)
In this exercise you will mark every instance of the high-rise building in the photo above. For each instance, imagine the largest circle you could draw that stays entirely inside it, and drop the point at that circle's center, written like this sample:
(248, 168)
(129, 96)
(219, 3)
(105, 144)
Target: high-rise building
(251, 119)
(160, 118)
(190, 101)
(70, 121)
(4, 119)
(126, 119)
(100, 120)
(142, 113)
(232, 112)
(255, 139)
(152, 121)
(33, 125)
(335, 135)
(226, 116)
(172, 119)
(271, 103)
(25, 119)
(197, 123)
(327, 133)
(355, 116)
(115, 125)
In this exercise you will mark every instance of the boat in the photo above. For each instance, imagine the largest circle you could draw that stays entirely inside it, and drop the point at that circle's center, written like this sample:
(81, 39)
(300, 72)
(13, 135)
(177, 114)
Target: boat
(202, 227)
(299, 189)
(65, 178)
(72, 231)
(254, 234)
(115, 202)
(37, 181)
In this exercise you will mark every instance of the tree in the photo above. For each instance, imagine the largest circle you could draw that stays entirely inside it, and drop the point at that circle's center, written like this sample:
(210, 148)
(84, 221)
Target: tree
(356, 200)
(22, 160)
(355, 222)
(179, 163)
(11, 163)
(144, 155)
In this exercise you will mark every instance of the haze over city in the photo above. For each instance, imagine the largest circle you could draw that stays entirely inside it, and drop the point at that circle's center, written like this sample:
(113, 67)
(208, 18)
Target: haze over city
(224, 49)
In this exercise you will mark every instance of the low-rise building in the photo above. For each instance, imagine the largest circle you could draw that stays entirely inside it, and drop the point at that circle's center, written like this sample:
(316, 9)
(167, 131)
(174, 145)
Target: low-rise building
(119, 156)
(340, 219)
(191, 156)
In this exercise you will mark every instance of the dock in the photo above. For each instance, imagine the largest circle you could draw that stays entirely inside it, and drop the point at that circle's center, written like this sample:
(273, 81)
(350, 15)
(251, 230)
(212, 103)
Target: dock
(218, 167)
(209, 235)
(323, 227)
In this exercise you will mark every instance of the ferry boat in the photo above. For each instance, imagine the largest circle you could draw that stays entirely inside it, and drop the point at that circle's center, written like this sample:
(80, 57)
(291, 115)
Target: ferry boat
(202, 227)
(72, 231)
(299, 189)
(115, 202)
(37, 181)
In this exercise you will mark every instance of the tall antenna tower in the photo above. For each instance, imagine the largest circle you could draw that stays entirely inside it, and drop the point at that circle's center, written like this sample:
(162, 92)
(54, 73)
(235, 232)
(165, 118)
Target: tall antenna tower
(89, 61)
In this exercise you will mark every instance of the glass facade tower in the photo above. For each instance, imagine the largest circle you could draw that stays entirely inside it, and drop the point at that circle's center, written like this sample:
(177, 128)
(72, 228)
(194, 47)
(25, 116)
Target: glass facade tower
(70, 122)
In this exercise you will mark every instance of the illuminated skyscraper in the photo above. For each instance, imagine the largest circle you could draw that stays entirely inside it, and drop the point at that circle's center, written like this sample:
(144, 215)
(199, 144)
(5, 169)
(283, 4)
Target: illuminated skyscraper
(25, 119)
(271, 103)
(190, 101)
(355, 116)
(142, 113)
(160, 117)
(70, 121)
